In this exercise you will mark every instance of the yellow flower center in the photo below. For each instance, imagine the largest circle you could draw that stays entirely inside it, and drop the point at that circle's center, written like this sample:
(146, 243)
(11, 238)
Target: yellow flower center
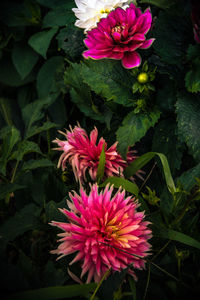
(105, 11)
(142, 77)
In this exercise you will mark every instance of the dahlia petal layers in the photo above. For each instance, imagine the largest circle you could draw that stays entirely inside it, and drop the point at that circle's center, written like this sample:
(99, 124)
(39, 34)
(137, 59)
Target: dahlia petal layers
(105, 232)
(89, 12)
(83, 154)
(119, 36)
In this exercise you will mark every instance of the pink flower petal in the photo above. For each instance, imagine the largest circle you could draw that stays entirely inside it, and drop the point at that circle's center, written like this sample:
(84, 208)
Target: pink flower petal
(131, 60)
(147, 44)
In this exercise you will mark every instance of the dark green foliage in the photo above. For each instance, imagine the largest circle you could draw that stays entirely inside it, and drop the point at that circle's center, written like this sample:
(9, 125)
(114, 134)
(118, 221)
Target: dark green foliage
(188, 110)
(46, 85)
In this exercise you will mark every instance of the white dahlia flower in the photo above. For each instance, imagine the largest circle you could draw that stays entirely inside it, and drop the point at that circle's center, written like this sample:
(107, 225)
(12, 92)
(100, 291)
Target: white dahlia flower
(89, 12)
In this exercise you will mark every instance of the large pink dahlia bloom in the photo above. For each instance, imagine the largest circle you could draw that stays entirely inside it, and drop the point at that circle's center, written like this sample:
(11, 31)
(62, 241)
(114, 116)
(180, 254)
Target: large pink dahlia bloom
(119, 36)
(83, 154)
(106, 232)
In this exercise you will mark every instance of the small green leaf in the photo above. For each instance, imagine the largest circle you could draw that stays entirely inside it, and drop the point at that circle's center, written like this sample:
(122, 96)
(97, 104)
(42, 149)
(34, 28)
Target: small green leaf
(36, 130)
(40, 41)
(121, 182)
(144, 159)
(10, 136)
(34, 164)
(56, 292)
(177, 236)
(188, 178)
(9, 75)
(101, 166)
(81, 95)
(25, 147)
(58, 17)
(46, 78)
(33, 112)
(193, 52)
(192, 78)
(134, 127)
(24, 59)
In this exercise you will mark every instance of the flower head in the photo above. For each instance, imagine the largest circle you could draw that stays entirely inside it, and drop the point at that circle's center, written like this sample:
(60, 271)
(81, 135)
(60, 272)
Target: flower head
(106, 232)
(89, 12)
(119, 36)
(83, 154)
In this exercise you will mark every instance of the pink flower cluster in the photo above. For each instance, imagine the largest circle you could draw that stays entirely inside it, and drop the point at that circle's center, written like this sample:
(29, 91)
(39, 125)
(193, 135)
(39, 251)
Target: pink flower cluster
(83, 152)
(119, 35)
(105, 232)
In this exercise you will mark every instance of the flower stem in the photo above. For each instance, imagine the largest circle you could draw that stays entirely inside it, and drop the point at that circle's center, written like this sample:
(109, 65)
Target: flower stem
(99, 284)
(147, 177)
(147, 284)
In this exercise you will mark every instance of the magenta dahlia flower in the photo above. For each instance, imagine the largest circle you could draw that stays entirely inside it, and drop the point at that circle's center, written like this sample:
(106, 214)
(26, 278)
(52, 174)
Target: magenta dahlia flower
(106, 232)
(83, 154)
(119, 36)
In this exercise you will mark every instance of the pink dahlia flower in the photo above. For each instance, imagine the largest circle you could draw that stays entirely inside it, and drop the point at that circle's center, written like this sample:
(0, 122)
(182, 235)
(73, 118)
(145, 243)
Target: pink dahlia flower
(106, 232)
(83, 154)
(119, 36)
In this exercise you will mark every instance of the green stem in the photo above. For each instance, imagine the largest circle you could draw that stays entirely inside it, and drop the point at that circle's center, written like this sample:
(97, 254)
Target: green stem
(147, 284)
(7, 199)
(187, 203)
(147, 177)
(14, 172)
(6, 114)
(48, 143)
(99, 284)
(161, 250)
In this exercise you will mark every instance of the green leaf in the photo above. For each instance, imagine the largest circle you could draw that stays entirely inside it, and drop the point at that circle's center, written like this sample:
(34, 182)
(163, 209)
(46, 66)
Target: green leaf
(188, 112)
(134, 127)
(36, 130)
(101, 166)
(9, 188)
(69, 40)
(40, 41)
(81, 95)
(56, 292)
(108, 79)
(24, 148)
(177, 236)
(47, 76)
(164, 141)
(193, 52)
(171, 37)
(58, 17)
(121, 182)
(24, 59)
(192, 78)
(10, 137)
(188, 178)
(159, 3)
(140, 162)
(24, 220)
(34, 164)
(33, 112)
(166, 90)
(5, 108)
(9, 76)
